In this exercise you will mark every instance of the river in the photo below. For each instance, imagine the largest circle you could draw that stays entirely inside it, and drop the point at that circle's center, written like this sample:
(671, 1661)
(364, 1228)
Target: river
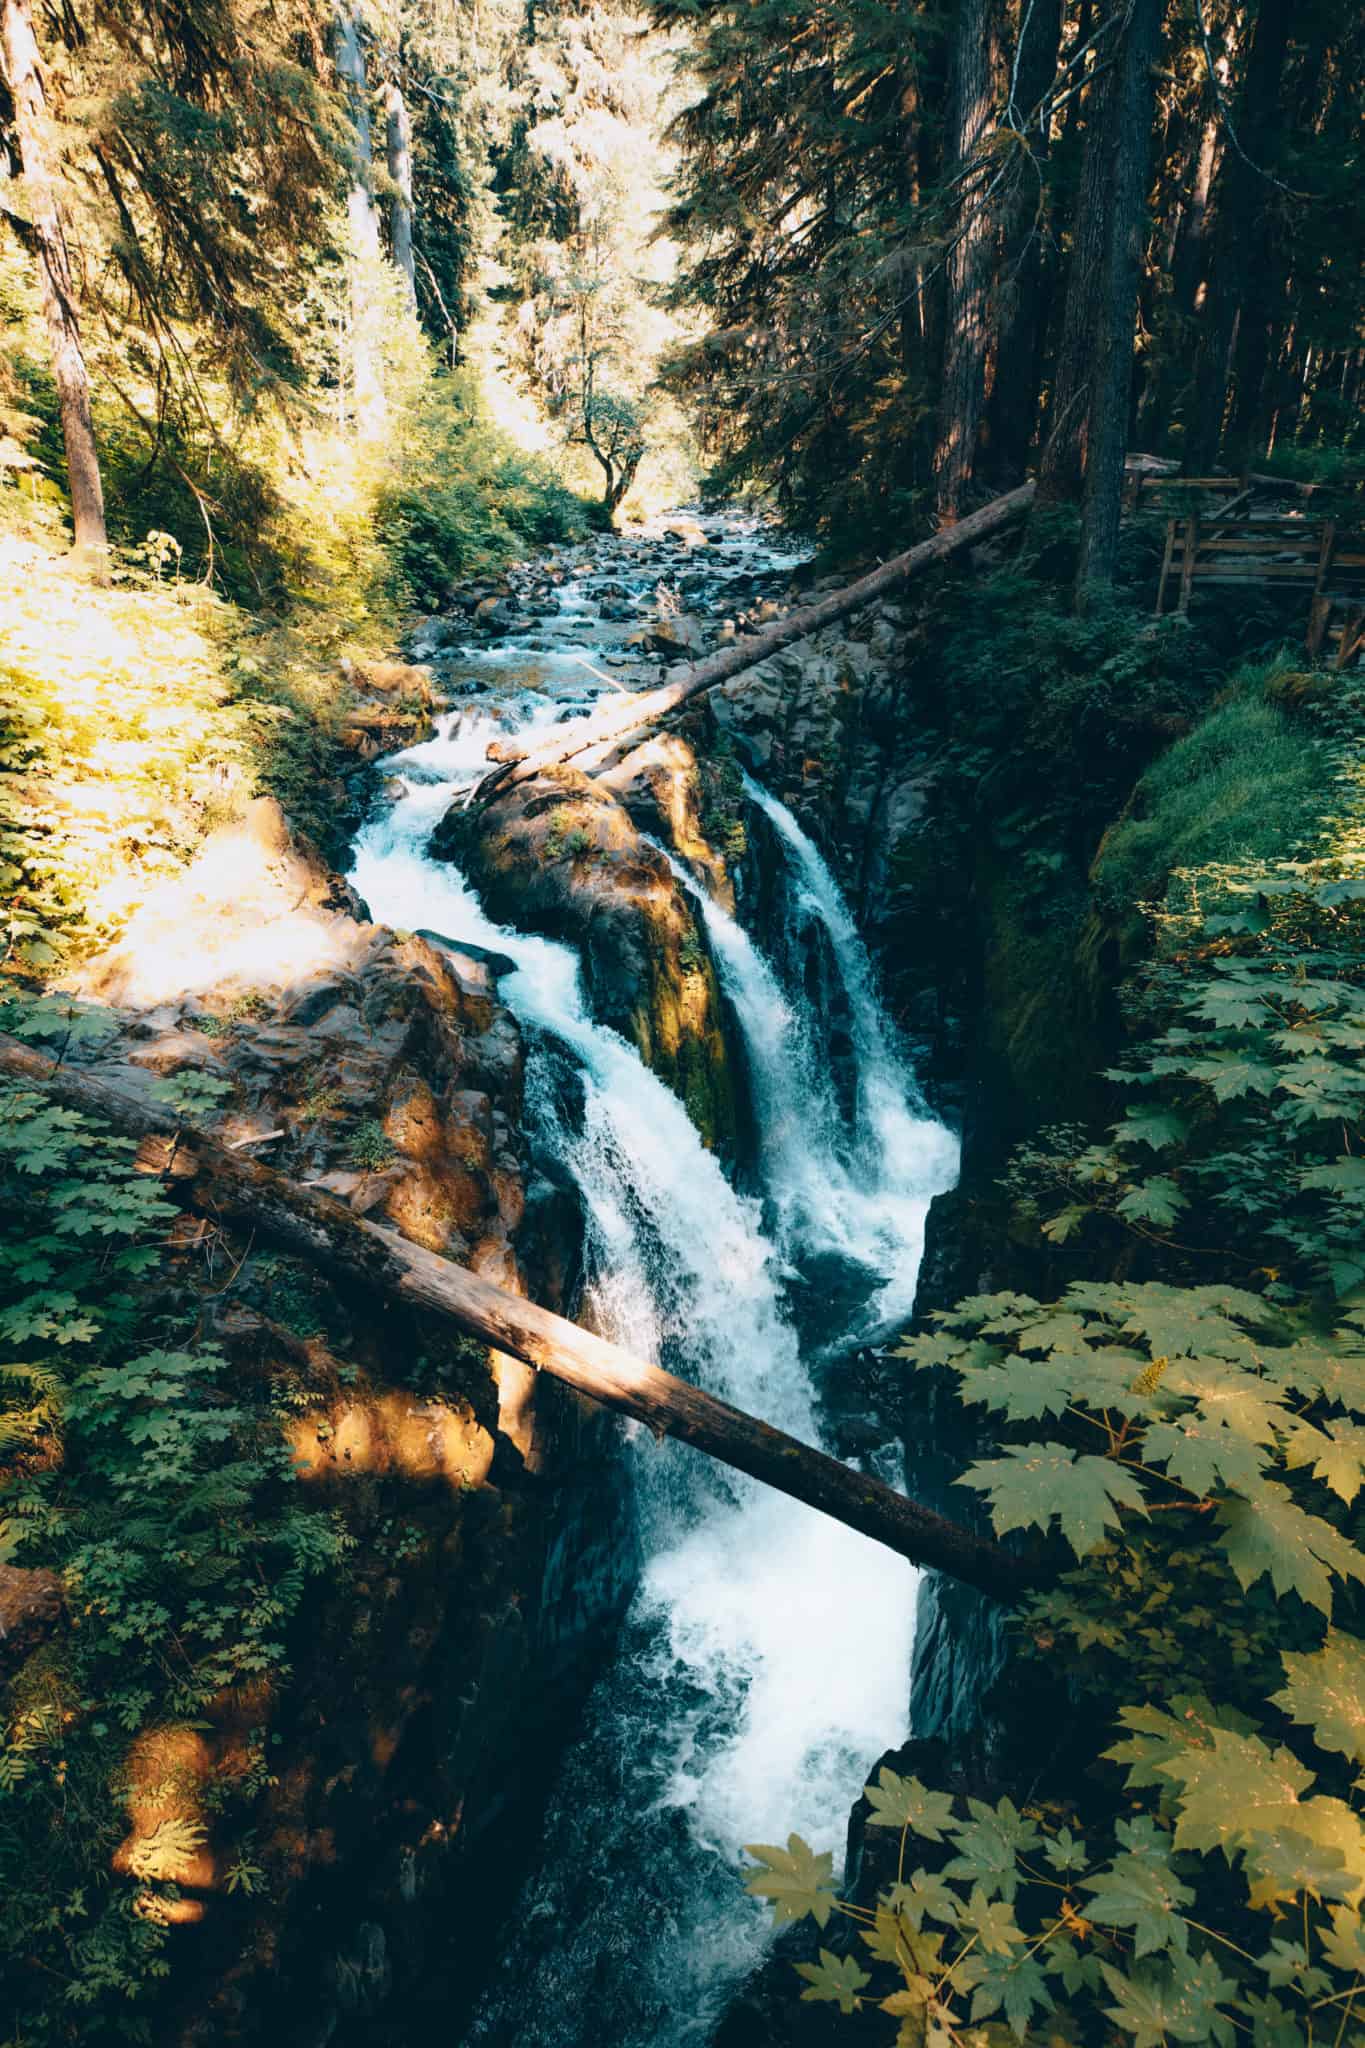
(765, 1661)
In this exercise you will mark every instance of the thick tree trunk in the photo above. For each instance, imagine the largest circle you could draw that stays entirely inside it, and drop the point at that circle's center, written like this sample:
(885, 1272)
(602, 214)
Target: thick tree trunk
(1061, 470)
(1012, 414)
(24, 76)
(971, 259)
(398, 139)
(219, 1183)
(1111, 385)
(622, 715)
(1236, 300)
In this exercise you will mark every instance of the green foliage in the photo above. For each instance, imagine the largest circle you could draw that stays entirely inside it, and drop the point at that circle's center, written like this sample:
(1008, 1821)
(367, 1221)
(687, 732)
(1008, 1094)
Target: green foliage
(166, 1498)
(467, 500)
(563, 839)
(1239, 787)
(370, 1147)
(1210, 1884)
(1244, 1090)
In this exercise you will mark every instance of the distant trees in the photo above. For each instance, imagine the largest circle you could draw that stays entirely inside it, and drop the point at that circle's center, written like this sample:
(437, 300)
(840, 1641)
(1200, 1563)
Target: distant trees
(986, 216)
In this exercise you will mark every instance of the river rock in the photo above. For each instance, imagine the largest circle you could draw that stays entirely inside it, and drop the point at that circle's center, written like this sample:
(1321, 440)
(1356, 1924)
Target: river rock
(559, 854)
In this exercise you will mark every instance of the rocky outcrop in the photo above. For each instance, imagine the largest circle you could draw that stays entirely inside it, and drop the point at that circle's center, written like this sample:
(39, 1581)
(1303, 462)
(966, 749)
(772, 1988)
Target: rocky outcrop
(560, 855)
(385, 1791)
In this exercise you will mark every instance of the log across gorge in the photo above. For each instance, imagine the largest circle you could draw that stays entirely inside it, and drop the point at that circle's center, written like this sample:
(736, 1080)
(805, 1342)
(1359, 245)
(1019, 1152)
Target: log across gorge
(218, 1182)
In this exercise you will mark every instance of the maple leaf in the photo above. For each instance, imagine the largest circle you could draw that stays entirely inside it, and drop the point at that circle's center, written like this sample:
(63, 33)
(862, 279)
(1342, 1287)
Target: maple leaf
(1199, 1455)
(1336, 1452)
(1231, 1075)
(795, 1879)
(1017, 1984)
(1157, 1201)
(1232, 1006)
(898, 1802)
(1176, 1999)
(1271, 1533)
(993, 1923)
(925, 1893)
(835, 1980)
(1154, 1127)
(1345, 1176)
(886, 1940)
(1064, 1225)
(988, 1845)
(1066, 1851)
(1326, 1693)
(1023, 1390)
(1141, 1891)
(1281, 1866)
(1343, 1944)
(1231, 1784)
(1336, 1375)
(1033, 1483)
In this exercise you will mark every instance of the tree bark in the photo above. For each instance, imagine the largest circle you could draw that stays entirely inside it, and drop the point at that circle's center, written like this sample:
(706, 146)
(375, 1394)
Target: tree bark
(218, 1182)
(1012, 412)
(366, 378)
(24, 77)
(971, 259)
(1061, 469)
(1107, 431)
(398, 140)
(1235, 300)
(621, 715)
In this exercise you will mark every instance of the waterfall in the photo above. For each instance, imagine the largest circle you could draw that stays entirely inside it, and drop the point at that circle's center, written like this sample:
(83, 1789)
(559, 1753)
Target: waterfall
(895, 1157)
(765, 1661)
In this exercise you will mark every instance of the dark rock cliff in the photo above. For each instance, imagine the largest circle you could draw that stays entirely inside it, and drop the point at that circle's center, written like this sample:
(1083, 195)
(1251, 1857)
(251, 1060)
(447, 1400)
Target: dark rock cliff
(386, 1787)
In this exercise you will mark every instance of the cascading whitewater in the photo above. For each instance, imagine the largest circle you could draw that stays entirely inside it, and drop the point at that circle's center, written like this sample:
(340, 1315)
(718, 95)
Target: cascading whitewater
(765, 1661)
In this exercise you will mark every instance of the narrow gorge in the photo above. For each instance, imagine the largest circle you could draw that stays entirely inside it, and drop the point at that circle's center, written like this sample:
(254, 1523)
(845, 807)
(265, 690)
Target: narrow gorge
(765, 1658)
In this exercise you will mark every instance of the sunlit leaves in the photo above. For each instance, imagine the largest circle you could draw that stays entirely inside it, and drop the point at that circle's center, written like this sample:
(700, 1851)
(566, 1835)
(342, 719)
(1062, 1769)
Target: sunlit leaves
(1325, 1692)
(1033, 1484)
(1300, 1552)
(1175, 2000)
(898, 1802)
(795, 1879)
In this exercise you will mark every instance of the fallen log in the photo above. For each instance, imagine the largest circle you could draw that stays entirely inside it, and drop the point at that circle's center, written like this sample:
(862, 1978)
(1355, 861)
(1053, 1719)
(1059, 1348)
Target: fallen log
(621, 715)
(220, 1183)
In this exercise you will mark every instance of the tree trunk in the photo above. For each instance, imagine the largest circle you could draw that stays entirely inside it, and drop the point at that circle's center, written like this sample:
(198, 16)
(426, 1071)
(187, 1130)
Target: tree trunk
(398, 138)
(971, 259)
(1012, 414)
(24, 76)
(1235, 301)
(622, 715)
(1061, 469)
(1107, 432)
(218, 1182)
(366, 378)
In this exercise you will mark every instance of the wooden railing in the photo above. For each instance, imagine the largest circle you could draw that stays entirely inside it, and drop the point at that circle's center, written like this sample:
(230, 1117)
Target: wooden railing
(1323, 558)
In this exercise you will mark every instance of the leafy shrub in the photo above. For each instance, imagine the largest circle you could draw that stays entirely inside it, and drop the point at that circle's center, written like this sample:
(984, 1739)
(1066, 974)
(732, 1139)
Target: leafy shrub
(1200, 1877)
(165, 1495)
(467, 499)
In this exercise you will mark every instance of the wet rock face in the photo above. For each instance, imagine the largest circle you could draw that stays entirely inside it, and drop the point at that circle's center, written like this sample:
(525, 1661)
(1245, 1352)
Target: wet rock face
(560, 854)
(436, 1674)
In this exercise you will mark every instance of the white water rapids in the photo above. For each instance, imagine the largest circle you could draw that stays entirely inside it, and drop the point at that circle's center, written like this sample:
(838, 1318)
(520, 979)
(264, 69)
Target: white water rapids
(765, 1662)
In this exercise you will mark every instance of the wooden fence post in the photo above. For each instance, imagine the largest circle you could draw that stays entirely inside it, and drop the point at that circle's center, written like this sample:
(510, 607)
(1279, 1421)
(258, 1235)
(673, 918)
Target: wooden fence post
(1320, 608)
(1187, 565)
(1165, 567)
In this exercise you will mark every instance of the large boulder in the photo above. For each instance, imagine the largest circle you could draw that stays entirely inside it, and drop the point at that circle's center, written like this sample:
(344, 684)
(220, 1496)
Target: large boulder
(560, 855)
